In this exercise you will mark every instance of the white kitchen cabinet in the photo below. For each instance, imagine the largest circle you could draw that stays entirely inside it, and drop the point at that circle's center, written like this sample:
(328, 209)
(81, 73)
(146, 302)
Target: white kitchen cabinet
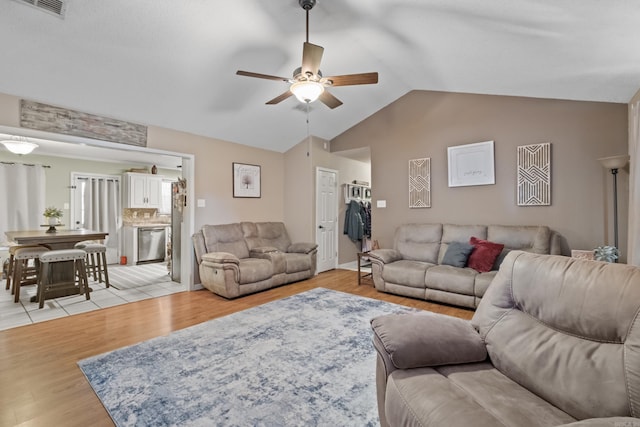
(142, 190)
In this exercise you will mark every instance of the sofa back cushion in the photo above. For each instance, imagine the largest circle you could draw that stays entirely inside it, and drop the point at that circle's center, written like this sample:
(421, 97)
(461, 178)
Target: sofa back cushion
(530, 238)
(459, 233)
(261, 234)
(568, 330)
(419, 242)
(225, 238)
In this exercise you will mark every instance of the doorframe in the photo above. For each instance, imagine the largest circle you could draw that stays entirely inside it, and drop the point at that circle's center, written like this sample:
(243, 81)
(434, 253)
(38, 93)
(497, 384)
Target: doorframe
(337, 210)
(188, 165)
(73, 203)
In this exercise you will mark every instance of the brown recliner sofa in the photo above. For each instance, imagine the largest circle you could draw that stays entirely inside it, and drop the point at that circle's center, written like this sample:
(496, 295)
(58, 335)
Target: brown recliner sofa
(555, 341)
(244, 258)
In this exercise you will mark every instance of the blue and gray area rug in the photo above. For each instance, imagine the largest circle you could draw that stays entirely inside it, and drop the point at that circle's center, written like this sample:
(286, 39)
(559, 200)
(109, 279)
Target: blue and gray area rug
(306, 360)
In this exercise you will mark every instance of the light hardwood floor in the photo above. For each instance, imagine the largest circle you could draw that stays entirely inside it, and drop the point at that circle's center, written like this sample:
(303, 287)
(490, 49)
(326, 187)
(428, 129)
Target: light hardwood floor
(41, 384)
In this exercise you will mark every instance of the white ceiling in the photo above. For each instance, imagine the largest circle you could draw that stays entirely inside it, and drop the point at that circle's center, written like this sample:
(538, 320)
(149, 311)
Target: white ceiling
(172, 63)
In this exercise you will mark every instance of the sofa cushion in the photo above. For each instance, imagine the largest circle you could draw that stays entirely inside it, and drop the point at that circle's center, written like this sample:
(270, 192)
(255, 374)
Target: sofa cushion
(457, 254)
(483, 280)
(474, 394)
(254, 270)
(484, 254)
(259, 234)
(532, 238)
(225, 238)
(451, 279)
(419, 242)
(297, 262)
(532, 336)
(407, 273)
(459, 233)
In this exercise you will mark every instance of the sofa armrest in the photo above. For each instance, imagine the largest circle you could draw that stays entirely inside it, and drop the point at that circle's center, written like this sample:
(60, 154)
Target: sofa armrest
(302, 248)
(385, 256)
(221, 258)
(263, 250)
(421, 340)
(604, 422)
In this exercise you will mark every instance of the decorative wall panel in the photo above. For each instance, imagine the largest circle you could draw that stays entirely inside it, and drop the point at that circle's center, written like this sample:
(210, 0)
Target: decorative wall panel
(534, 175)
(34, 115)
(420, 183)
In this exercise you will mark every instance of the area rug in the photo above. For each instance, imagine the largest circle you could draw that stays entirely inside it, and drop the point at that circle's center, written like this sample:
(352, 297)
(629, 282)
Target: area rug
(135, 276)
(305, 360)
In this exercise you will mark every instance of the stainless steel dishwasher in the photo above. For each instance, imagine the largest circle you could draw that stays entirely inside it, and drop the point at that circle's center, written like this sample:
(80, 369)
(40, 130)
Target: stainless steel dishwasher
(152, 243)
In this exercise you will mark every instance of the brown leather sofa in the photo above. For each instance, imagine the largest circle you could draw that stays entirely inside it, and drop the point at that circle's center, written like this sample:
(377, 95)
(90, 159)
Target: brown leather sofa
(244, 258)
(415, 268)
(554, 342)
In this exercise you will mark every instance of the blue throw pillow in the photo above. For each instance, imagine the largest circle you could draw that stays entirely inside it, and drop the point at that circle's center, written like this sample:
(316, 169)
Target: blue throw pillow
(457, 254)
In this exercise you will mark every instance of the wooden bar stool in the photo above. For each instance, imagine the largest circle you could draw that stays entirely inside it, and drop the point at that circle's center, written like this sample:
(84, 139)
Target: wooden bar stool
(21, 273)
(96, 260)
(78, 280)
(12, 250)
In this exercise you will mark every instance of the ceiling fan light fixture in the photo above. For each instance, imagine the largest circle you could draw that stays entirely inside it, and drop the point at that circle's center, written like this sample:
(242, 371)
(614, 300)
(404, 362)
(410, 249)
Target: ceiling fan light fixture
(307, 91)
(19, 145)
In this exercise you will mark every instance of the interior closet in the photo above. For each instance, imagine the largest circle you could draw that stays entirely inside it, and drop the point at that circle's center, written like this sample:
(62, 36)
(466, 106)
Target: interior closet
(357, 223)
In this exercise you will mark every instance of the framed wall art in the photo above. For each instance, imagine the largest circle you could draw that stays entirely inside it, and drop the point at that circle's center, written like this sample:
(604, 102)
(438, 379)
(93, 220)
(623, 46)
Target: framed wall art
(420, 183)
(534, 175)
(246, 180)
(471, 164)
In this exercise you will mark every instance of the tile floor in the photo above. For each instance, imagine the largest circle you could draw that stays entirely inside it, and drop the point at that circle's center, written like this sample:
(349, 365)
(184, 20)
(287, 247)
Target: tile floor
(26, 312)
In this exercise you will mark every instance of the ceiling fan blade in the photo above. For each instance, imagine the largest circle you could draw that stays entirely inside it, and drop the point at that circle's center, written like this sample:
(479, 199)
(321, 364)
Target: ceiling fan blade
(354, 79)
(311, 57)
(261, 76)
(279, 98)
(329, 100)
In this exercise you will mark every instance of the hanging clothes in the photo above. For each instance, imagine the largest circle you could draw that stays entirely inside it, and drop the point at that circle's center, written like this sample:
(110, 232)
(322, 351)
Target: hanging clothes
(354, 221)
(366, 218)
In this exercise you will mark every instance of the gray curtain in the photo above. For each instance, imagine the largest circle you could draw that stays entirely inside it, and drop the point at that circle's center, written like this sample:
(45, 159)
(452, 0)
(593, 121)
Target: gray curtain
(101, 201)
(22, 196)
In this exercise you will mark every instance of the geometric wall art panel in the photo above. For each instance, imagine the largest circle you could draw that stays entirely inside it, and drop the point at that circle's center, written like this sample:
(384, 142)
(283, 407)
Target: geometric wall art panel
(420, 183)
(534, 175)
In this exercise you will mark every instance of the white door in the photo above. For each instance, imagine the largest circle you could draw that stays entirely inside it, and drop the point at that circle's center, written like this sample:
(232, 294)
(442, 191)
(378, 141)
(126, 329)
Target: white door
(327, 218)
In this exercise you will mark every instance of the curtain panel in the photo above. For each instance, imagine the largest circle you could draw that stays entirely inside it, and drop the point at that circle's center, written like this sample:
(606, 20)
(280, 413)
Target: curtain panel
(22, 192)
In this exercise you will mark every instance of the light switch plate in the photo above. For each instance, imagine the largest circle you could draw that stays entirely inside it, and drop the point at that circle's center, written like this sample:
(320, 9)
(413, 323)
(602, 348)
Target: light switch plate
(201, 203)
(381, 203)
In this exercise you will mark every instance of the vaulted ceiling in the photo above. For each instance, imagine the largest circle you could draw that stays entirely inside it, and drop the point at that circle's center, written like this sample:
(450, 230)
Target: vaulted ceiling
(172, 63)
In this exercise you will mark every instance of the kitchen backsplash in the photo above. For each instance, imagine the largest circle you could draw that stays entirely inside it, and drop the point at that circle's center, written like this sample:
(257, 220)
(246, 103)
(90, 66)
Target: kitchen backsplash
(136, 216)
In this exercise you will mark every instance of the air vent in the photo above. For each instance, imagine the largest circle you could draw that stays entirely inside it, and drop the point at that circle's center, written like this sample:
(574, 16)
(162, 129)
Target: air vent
(54, 7)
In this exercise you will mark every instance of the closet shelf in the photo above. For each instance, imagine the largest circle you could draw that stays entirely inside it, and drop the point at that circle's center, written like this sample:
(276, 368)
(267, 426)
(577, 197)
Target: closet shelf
(357, 192)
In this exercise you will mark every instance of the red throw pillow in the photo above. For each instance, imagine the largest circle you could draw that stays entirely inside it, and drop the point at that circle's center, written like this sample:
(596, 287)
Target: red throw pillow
(484, 254)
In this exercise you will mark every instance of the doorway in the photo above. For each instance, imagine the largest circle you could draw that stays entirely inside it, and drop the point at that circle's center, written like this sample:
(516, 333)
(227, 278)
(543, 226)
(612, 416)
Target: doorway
(327, 218)
(95, 205)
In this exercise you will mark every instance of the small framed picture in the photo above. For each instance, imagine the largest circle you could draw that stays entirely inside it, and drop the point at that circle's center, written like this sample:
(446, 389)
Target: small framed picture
(246, 180)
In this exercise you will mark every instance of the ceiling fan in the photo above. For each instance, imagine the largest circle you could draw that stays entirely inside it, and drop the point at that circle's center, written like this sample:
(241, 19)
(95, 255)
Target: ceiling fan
(308, 84)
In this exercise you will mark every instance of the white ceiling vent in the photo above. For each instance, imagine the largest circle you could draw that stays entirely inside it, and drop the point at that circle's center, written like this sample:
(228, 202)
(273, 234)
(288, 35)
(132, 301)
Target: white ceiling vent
(55, 7)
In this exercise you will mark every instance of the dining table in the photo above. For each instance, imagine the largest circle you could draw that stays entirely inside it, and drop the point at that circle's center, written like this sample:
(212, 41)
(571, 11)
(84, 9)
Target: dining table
(59, 239)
